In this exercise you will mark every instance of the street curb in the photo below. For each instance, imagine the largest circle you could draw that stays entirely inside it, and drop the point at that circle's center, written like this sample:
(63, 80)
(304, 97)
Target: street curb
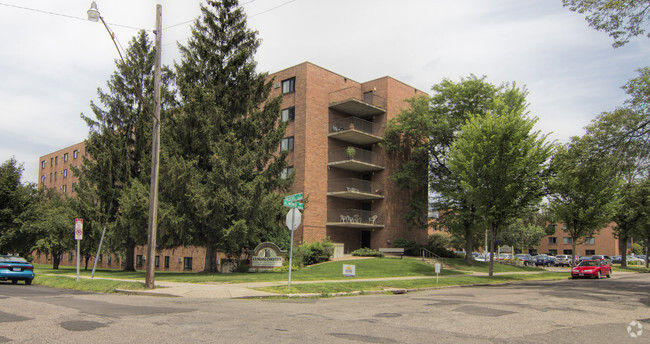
(143, 293)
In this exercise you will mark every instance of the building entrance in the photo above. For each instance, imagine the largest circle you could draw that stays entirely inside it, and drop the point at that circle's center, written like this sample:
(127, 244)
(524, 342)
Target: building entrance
(365, 239)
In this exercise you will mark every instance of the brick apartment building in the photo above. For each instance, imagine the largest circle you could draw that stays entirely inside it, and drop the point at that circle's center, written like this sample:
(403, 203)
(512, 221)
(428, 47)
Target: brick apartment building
(335, 126)
(602, 242)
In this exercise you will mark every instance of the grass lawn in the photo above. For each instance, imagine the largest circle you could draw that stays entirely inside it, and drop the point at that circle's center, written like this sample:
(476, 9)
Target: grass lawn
(365, 268)
(329, 288)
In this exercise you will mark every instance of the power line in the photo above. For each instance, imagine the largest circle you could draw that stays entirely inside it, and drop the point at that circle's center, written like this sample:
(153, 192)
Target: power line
(66, 16)
(273, 8)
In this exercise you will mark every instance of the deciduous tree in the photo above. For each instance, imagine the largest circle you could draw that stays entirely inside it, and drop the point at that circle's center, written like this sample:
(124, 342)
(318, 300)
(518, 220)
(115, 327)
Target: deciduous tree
(500, 165)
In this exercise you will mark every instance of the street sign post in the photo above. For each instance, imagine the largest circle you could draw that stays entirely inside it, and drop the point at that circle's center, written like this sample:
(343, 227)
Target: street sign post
(293, 221)
(78, 235)
(294, 197)
(292, 204)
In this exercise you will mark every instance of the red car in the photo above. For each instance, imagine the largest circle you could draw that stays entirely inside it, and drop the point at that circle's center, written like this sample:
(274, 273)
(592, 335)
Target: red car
(592, 268)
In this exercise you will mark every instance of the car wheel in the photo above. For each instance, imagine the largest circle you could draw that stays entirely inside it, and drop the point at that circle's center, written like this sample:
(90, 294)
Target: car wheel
(609, 275)
(598, 275)
(13, 281)
(28, 282)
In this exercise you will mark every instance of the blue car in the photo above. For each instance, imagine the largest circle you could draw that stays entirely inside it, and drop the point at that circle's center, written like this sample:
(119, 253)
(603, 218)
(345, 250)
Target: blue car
(16, 268)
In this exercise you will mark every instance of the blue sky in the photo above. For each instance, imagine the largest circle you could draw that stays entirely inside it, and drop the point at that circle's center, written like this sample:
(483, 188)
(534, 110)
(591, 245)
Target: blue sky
(52, 63)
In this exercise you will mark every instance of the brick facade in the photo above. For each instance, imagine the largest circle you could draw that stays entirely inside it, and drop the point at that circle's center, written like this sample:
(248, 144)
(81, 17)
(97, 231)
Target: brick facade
(350, 198)
(603, 242)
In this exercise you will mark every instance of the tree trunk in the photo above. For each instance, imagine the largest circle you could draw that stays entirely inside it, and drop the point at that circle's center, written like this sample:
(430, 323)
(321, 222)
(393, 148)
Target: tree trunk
(646, 244)
(622, 250)
(87, 259)
(469, 258)
(129, 260)
(210, 257)
(493, 236)
(573, 251)
(56, 260)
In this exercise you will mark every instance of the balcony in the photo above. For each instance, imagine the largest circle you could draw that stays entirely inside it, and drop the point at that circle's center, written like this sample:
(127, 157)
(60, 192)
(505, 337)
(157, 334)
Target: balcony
(356, 103)
(354, 218)
(356, 131)
(357, 189)
(355, 159)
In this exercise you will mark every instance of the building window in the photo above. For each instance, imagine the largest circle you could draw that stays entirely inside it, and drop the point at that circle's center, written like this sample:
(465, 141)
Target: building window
(65, 157)
(75, 154)
(56, 160)
(569, 252)
(43, 164)
(43, 179)
(288, 114)
(187, 263)
(590, 241)
(552, 252)
(166, 262)
(50, 176)
(552, 240)
(100, 258)
(567, 240)
(157, 261)
(138, 260)
(70, 256)
(74, 186)
(289, 86)
(109, 260)
(287, 144)
(590, 252)
(54, 175)
(564, 227)
(65, 173)
(286, 172)
(51, 161)
(64, 188)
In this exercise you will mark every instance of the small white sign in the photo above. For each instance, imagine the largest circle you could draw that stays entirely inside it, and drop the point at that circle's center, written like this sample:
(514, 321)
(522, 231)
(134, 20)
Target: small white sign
(438, 268)
(293, 219)
(349, 270)
(78, 229)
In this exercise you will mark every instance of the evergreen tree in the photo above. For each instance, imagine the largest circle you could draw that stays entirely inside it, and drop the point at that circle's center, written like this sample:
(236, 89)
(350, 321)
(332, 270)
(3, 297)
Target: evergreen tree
(16, 200)
(222, 170)
(119, 149)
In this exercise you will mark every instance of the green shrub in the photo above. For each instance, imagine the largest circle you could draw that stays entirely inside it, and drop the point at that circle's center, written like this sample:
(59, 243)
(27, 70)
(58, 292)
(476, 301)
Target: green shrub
(438, 244)
(411, 248)
(312, 253)
(367, 252)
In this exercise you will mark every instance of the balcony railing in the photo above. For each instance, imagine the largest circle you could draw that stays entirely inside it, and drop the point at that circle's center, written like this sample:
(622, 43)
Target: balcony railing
(356, 130)
(353, 188)
(354, 218)
(355, 159)
(354, 102)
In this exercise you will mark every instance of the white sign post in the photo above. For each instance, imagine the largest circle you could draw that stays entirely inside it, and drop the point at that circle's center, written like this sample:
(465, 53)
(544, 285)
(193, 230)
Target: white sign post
(293, 221)
(78, 235)
(438, 266)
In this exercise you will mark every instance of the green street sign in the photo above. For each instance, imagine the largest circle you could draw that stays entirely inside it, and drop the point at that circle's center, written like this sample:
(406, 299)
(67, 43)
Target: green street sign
(292, 204)
(293, 198)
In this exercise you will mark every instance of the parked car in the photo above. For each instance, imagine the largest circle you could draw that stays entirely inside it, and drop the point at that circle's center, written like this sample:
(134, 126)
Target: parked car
(592, 268)
(606, 258)
(504, 256)
(544, 260)
(563, 260)
(616, 259)
(16, 269)
(579, 259)
(527, 259)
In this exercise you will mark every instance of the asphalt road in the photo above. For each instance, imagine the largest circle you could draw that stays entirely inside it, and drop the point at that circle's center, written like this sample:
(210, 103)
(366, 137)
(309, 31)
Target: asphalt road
(567, 311)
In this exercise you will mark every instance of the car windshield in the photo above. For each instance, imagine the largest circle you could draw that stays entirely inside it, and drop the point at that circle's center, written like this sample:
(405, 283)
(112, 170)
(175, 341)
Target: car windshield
(588, 263)
(13, 259)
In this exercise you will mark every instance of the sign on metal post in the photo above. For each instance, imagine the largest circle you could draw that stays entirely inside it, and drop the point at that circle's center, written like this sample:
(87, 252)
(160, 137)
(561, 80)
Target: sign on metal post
(293, 221)
(295, 197)
(292, 204)
(78, 235)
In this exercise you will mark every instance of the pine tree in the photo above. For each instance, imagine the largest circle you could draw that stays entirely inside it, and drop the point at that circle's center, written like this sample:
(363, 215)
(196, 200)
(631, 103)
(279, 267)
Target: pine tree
(119, 152)
(222, 170)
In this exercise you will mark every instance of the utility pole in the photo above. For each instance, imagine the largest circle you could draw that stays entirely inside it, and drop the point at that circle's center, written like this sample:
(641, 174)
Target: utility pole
(155, 155)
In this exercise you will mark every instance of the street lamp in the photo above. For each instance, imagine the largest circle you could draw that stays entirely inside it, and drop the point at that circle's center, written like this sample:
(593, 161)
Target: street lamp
(94, 16)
